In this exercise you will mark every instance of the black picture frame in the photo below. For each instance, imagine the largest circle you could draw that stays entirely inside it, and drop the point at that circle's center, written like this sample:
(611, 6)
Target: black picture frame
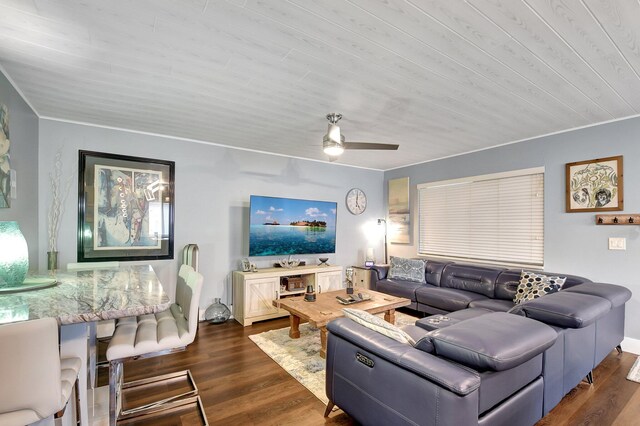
(135, 218)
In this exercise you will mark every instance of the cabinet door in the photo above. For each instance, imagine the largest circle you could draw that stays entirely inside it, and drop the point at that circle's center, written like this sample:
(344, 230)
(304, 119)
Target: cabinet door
(329, 281)
(260, 293)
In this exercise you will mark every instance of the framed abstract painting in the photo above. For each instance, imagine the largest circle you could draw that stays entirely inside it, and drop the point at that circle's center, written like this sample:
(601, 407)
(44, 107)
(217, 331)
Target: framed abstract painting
(125, 208)
(399, 211)
(595, 185)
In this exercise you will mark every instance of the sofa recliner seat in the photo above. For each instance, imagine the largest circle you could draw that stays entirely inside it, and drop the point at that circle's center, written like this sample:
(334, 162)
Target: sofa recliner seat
(471, 374)
(445, 299)
(588, 328)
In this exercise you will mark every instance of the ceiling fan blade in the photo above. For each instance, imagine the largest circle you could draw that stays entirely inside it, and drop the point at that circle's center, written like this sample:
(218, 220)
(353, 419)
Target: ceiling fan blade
(369, 145)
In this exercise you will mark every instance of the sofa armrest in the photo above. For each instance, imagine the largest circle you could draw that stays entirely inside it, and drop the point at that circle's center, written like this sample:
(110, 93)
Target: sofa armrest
(381, 271)
(616, 294)
(566, 309)
(439, 371)
(421, 337)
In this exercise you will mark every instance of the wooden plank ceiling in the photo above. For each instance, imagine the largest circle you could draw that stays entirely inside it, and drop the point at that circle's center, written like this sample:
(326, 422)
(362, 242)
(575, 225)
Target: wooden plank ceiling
(438, 77)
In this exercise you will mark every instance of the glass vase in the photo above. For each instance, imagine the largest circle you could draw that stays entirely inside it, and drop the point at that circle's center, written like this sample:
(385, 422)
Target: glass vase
(217, 313)
(14, 255)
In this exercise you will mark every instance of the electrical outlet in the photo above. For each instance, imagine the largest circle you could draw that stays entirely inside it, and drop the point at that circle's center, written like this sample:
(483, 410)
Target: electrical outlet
(617, 243)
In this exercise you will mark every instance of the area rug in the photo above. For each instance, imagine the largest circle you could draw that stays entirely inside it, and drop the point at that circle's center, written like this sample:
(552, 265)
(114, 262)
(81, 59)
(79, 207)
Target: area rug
(634, 373)
(301, 357)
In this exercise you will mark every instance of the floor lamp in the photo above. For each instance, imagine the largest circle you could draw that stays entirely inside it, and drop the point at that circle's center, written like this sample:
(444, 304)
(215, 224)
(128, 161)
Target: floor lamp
(380, 222)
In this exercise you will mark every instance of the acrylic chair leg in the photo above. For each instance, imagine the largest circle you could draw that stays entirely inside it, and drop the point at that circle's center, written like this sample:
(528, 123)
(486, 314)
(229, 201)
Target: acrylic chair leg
(77, 391)
(115, 377)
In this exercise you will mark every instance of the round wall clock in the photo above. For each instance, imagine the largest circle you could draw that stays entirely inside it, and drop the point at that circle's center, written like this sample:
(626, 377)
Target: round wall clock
(356, 201)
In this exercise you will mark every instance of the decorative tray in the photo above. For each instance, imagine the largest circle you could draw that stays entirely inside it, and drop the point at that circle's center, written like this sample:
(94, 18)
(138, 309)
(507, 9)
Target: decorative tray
(30, 284)
(351, 299)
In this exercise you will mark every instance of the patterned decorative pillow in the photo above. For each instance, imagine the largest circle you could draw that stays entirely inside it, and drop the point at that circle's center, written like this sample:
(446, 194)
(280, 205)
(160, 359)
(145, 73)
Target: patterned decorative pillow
(378, 324)
(534, 285)
(407, 269)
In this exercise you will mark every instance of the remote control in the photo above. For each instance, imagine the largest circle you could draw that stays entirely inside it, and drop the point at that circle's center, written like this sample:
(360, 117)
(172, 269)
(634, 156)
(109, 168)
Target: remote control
(343, 300)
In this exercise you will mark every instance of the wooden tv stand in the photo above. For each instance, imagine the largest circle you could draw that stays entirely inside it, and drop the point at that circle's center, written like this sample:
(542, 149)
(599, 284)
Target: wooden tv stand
(254, 292)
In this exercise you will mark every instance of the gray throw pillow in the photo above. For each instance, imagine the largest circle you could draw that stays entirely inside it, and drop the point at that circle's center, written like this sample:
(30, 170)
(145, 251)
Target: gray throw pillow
(407, 269)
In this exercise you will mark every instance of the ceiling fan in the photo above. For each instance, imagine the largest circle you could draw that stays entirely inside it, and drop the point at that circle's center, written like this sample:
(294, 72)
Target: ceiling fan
(333, 142)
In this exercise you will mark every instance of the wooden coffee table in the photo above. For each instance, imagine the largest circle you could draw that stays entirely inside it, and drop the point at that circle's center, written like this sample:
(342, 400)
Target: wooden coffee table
(327, 308)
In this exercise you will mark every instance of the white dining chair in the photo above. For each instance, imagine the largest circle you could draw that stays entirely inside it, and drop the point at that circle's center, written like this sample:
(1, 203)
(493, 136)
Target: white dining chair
(190, 255)
(36, 382)
(153, 335)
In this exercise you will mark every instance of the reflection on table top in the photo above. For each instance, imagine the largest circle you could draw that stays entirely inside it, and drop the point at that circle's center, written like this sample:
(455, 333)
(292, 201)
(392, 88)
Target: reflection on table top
(89, 295)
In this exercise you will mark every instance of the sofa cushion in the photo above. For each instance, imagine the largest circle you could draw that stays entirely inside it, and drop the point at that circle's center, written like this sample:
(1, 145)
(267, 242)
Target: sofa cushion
(406, 289)
(497, 341)
(435, 322)
(407, 269)
(378, 324)
(565, 309)
(476, 279)
(447, 299)
(533, 285)
(496, 305)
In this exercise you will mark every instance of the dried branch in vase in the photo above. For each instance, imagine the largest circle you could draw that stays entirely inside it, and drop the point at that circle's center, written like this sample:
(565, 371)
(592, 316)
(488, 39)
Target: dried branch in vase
(59, 194)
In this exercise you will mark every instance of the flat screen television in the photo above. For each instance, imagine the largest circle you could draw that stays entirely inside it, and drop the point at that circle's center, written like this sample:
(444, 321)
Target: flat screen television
(284, 226)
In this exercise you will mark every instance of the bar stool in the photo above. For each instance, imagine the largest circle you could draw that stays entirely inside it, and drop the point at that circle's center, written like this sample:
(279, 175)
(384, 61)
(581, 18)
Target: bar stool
(153, 335)
(36, 382)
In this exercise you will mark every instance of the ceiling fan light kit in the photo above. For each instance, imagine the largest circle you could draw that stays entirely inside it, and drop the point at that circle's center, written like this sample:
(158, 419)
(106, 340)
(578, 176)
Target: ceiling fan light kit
(333, 143)
(332, 148)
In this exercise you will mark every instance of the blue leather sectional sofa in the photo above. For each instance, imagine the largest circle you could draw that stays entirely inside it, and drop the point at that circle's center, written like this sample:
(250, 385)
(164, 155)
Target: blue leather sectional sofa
(487, 362)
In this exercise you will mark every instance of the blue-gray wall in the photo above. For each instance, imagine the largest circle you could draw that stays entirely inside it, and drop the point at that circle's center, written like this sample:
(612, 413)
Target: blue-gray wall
(23, 128)
(573, 244)
(213, 185)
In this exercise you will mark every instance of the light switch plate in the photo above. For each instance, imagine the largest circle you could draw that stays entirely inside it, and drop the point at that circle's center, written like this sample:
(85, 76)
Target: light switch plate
(617, 243)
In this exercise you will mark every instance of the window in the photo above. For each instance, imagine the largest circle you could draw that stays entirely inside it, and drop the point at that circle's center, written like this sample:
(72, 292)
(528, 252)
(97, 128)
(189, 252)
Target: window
(497, 218)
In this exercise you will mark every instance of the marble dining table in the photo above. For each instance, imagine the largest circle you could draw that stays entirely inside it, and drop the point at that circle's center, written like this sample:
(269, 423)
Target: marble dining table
(89, 295)
(80, 298)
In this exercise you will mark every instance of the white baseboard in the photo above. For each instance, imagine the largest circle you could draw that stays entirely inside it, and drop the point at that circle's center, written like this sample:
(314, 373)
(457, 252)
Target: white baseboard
(631, 345)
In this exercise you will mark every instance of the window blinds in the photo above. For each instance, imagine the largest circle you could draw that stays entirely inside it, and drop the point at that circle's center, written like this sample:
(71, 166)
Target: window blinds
(497, 218)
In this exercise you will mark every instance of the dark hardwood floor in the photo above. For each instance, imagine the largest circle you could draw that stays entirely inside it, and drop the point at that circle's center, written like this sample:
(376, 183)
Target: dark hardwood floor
(240, 385)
